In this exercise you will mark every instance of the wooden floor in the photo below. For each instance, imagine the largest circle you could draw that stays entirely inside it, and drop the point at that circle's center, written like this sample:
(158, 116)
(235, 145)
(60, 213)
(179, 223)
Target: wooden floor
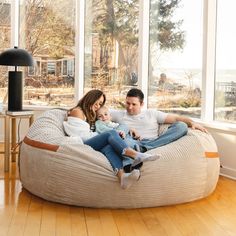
(21, 213)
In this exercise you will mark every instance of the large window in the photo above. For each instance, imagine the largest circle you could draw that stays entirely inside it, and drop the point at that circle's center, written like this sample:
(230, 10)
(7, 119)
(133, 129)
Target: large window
(111, 47)
(5, 36)
(47, 31)
(225, 84)
(175, 59)
(115, 52)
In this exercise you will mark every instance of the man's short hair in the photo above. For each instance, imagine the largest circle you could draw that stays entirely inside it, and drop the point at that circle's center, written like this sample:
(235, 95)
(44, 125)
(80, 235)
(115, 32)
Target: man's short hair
(134, 92)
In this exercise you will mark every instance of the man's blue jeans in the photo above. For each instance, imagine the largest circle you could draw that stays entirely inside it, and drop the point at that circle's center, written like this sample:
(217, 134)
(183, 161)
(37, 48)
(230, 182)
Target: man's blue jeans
(111, 145)
(174, 132)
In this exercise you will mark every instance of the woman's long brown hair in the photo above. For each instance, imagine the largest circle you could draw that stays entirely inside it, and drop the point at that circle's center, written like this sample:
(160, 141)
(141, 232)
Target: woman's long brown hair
(86, 102)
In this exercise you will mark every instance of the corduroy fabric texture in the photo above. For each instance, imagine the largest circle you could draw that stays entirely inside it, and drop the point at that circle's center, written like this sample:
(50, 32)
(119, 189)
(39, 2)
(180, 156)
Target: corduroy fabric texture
(75, 174)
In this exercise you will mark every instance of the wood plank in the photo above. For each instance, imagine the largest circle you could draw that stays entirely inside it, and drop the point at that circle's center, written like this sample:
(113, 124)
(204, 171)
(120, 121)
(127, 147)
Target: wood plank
(200, 226)
(152, 223)
(139, 227)
(63, 220)
(48, 223)
(182, 222)
(215, 229)
(166, 222)
(123, 223)
(109, 226)
(93, 222)
(6, 215)
(19, 218)
(78, 223)
(216, 207)
(34, 217)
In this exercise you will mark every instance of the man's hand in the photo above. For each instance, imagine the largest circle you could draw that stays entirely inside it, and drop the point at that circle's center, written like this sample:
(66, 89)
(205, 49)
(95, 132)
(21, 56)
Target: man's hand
(199, 127)
(135, 134)
(172, 118)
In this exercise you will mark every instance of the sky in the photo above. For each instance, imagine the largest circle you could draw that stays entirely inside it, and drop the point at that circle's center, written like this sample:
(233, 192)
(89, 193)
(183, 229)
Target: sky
(191, 57)
(191, 13)
(226, 34)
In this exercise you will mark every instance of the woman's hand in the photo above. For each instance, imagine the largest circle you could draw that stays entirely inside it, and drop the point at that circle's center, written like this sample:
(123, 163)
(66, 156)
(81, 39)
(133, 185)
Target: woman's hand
(122, 134)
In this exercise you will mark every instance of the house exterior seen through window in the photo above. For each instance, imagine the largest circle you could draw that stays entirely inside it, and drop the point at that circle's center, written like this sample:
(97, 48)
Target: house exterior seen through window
(5, 37)
(47, 31)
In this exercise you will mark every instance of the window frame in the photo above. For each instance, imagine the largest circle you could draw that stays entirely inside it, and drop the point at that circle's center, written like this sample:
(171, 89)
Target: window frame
(208, 60)
(37, 68)
(69, 65)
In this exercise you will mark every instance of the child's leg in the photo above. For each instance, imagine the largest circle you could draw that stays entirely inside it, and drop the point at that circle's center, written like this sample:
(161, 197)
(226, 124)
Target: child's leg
(132, 143)
(140, 157)
(143, 157)
(127, 179)
(110, 137)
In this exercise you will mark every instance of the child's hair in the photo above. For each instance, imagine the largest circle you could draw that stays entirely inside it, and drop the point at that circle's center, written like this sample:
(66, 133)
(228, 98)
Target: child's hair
(104, 107)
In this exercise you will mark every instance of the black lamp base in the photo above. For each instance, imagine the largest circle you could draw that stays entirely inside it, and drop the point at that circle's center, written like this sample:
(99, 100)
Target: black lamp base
(15, 91)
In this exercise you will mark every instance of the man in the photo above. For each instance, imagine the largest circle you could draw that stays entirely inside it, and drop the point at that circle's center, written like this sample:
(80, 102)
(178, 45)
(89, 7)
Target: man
(146, 122)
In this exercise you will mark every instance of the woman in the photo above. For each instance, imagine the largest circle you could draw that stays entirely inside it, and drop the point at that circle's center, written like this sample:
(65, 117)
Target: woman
(81, 122)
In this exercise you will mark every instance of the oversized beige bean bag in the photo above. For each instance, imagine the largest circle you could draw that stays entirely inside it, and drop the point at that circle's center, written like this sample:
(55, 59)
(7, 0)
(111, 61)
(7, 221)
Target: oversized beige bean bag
(57, 168)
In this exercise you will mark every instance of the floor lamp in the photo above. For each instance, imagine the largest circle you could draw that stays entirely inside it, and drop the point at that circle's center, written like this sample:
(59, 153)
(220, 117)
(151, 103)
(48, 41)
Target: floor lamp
(15, 57)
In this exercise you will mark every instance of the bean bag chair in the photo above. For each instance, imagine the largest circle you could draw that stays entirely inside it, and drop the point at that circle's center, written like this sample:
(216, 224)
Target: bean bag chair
(59, 168)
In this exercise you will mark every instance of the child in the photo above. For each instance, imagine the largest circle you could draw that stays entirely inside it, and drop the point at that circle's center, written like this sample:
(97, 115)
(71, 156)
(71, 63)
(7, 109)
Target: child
(104, 123)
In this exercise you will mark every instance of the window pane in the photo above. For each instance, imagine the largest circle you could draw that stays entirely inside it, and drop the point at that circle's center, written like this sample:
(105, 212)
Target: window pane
(225, 87)
(5, 37)
(51, 68)
(175, 63)
(111, 47)
(47, 31)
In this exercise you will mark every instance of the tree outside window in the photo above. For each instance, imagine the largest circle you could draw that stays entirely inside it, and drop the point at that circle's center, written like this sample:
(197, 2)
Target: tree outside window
(5, 36)
(47, 31)
(111, 46)
(175, 56)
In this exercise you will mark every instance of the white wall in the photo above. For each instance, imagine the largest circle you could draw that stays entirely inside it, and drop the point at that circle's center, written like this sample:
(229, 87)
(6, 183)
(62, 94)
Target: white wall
(226, 142)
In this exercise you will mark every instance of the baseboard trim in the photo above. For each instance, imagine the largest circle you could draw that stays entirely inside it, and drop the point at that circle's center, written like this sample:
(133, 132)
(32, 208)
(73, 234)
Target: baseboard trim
(228, 172)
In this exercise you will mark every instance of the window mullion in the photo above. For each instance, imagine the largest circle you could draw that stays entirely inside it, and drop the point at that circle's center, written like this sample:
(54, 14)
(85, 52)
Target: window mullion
(208, 74)
(15, 23)
(79, 49)
(143, 48)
